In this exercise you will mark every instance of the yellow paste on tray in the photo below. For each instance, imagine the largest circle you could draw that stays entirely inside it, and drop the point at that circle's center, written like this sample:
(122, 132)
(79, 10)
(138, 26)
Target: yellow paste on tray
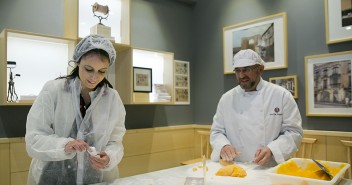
(196, 168)
(232, 170)
(291, 168)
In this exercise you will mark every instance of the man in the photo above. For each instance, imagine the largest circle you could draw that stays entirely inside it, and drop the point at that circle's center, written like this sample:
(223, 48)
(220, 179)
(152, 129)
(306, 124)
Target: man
(256, 121)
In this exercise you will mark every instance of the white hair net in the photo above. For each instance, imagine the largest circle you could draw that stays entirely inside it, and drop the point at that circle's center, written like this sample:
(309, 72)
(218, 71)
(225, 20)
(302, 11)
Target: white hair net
(94, 42)
(246, 57)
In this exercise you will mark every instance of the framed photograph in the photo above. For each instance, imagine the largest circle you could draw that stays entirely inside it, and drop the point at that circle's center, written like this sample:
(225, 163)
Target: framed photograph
(328, 84)
(338, 21)
(287, 82)
(142, 79)
(266, 36)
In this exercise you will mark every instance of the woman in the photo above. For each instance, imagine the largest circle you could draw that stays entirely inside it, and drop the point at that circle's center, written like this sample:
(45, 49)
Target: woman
(73, 113)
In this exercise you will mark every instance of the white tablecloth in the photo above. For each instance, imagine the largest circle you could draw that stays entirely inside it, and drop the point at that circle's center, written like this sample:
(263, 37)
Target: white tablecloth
(256, 175)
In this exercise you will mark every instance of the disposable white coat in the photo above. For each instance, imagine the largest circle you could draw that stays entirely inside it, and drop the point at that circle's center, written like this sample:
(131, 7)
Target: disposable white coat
(251, 120)
(51, 118)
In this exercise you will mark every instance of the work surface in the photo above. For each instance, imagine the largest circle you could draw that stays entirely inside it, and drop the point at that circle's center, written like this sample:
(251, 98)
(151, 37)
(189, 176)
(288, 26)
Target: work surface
(177, 176)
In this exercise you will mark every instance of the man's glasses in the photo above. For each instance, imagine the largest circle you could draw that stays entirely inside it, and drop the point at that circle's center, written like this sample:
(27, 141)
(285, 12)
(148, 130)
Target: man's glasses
(245, 70)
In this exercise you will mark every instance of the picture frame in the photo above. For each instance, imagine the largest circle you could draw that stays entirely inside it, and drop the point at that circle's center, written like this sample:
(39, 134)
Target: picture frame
(338, 21)
(181, 67)
(267, 36)
(287, 82)
(142, 79)
(328, 84)
(181, 96)
(181, 82)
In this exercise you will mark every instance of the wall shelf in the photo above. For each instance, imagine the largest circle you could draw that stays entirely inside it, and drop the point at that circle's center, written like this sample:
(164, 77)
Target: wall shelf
(39, 58)
(79, 18)
(161, 64)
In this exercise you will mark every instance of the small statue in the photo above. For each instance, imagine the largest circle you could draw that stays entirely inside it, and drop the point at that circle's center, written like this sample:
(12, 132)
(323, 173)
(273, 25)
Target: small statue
(11, 91)
(104, 10)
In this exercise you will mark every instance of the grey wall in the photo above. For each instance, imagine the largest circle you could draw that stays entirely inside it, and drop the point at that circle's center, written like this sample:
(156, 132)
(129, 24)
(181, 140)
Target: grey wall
(38, 16)
(193, 33)
(165, 26)
(306, 36)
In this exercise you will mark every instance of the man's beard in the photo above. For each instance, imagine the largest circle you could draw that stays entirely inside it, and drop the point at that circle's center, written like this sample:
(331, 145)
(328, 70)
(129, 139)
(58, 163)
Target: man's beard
(247, 86)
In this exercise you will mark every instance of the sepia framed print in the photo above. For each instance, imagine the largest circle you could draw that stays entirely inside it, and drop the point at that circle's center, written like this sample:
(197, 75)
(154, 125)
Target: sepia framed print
(181, 67)
(142, 79)
(181, 96)
(287, 82)
(267, 36)
(181, 82)
(338, 21)
(328, 84)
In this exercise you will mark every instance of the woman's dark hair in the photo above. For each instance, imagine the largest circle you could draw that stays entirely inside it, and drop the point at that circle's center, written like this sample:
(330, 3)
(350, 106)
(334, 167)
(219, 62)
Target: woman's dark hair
(74, 73)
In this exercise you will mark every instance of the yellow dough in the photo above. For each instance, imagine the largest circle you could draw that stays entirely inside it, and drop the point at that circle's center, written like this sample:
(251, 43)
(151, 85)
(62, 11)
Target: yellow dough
(232, 170)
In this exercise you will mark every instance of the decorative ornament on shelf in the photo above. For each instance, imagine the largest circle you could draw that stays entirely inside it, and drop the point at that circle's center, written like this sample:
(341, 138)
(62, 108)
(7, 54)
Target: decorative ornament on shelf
(11, 91)
(101, 12)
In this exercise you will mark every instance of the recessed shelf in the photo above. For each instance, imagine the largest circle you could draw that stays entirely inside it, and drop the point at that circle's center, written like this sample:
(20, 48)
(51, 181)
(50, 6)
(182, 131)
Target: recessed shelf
(38, 59)
(161, 65)
(79, 18)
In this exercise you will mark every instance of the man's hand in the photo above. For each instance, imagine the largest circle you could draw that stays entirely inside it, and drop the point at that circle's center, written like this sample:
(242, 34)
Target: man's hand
(228, 153)
(262, 155)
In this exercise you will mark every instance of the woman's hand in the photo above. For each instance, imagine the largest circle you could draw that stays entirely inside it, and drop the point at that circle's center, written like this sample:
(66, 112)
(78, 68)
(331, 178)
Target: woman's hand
(76, 146)
(99, 161)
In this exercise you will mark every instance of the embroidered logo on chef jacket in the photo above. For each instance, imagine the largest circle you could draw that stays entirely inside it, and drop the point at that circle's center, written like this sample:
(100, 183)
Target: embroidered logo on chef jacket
(276, 111)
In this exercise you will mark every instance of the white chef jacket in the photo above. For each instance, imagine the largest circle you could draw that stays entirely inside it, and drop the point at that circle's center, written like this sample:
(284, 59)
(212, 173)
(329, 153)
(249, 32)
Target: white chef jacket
(248, 121)
(51, 118)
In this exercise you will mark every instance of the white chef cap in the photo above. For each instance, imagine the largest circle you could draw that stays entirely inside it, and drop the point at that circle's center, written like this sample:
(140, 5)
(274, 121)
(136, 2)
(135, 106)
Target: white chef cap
(94, 42)
(245, 58)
